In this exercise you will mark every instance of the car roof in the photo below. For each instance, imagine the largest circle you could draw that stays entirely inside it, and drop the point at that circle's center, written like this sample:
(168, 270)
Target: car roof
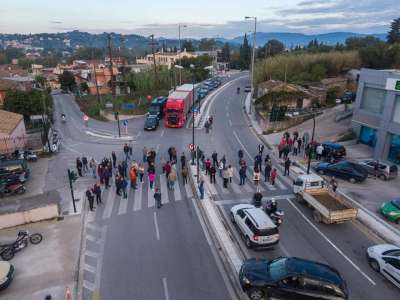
(4, 268)
(313, 269)
(310, 177)
(332, 144)
(259, 217)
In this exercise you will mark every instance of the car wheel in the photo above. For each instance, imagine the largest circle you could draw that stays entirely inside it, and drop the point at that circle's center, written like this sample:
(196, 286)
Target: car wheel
(383, 177)
(232, 218)
(321, 172)
(374, 265)
(7, 254)
(255, 294)
(352, 180)
(248, 242)
(397, 221)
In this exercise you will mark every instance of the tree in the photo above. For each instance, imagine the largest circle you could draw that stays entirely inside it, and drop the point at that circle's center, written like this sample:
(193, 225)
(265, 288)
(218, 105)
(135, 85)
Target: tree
(67, 81)
(188, 45)
(40, 80)
(207, 45)
(376, 56)
(245, 54)
(273, 47)
(356, 43)
(84, 87)
(226, 53)
(394, 33)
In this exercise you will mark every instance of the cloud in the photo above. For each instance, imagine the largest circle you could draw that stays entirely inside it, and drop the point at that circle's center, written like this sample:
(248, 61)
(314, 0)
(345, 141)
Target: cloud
(55, 22)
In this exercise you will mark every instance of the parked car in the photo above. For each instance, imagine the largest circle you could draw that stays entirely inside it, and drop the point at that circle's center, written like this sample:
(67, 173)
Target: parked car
(386, 170)
(348, 170)
(202, 93)
(391, 210)
(247, 89)
(6, 274)
(151, 122)
(16, 168)
(385, 259)
(291, 278)
(257, 229)
(335, 150)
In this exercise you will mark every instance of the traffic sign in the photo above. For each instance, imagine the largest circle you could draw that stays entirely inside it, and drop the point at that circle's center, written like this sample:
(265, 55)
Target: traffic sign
(125, 123)
(85, 118)
(195, 109)
(191, 147)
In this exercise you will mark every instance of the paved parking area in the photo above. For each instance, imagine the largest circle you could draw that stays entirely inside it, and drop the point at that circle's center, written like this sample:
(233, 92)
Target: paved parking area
(47, 268)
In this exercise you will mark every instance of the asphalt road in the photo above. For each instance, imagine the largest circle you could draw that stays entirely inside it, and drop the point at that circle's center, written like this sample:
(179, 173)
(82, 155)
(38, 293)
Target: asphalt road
(342, 246)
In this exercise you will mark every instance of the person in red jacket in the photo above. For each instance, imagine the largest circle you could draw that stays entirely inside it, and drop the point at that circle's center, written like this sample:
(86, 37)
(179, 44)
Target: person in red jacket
(274, 173)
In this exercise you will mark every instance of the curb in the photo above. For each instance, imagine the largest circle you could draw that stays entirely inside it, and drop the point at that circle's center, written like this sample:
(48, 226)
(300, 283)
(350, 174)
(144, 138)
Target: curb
(364, 216)
(230, 257)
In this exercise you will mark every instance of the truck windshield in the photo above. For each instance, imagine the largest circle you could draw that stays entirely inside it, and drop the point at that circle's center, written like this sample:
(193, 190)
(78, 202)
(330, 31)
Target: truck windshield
(171, 110)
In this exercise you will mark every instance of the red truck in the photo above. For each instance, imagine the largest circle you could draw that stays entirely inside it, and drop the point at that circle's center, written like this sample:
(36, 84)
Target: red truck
(178, 106)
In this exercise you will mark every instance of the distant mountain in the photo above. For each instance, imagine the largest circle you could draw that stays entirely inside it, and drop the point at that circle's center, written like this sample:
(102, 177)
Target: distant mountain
(293, 39)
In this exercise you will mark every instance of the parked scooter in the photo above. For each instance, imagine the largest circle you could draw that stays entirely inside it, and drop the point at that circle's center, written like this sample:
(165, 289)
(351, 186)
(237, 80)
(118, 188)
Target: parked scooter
(11, 189)
(20, 243)
(276, 215)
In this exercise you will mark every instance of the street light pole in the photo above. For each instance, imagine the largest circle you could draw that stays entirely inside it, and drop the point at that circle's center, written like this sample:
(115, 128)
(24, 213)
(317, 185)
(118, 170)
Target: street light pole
(194, 146)
(253, 58)
(311, 145)
(180, 50)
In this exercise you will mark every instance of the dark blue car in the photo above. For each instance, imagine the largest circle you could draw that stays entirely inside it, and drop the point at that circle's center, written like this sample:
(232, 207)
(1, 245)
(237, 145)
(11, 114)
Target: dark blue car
(348, 170)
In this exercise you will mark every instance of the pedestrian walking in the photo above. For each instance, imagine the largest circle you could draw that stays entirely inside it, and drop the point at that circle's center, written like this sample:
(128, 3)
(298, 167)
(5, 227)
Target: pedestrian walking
(274, 173)
(208, 166)
(118, 185)
(207, 126)
(214, 157)
(172, 178)
(230, 173)
(242, 174)
(167, 169)
(107, 176)
(183, 160)
(257, 161)
(93, 167)
(172, 153)
(184, 174)
(213, 170)
(90, 198)
(152, 177)
(287, 166)
(145, 154)
(223, 159)
(220, 168)
(240, 155)
(79, 166)
(157, 197)
(260, 149)
(376, 169)
(201, 187)
(124, 185)
(141, 172)
(319, 151)
(114, 159)
(334, 184)
(97, 193)
(124, 168)
(126, 151)
(256, 176)
(133, 177)
(267, 171)
(85, 164)
(225, 177)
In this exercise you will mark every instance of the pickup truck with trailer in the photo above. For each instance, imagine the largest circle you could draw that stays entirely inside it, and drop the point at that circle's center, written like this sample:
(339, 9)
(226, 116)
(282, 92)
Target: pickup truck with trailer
(328, 207)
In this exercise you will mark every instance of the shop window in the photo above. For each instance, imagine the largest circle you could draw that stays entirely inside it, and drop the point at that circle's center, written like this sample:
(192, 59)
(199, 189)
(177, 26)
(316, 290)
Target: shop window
(368, 136)
(396, 113)
(394, 149)
(373, 100)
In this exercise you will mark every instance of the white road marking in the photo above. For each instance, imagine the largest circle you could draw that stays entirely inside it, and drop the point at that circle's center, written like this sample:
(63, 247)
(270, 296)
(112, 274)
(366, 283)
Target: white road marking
(165, 286)
(280, 184)
(109, 203)
(163, 189)
(123, 205)
(162, 132)
(137, 204)
(150, 196)
(211, 187)
(157, 148)
(189, 192)
(241, 144)
(331, 243)
(177, 191)
(235, 187)
(156, 225)
(230, 123)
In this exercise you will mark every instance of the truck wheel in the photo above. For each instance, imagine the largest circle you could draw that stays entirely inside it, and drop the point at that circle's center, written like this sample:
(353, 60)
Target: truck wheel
(317, 216)
(300, 199)
(255, 294)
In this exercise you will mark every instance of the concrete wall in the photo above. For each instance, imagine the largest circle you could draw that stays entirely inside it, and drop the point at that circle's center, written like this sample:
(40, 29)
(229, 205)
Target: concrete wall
(17, 139)
(381, 122)
(29, 216)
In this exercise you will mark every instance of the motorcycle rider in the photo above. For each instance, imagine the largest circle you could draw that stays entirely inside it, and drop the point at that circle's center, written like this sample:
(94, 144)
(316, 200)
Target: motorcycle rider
(257, 197)
(271, 207)
(238, 90)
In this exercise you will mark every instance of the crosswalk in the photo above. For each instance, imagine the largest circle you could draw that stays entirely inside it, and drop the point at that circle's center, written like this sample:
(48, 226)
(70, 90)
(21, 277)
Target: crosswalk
(143, 197)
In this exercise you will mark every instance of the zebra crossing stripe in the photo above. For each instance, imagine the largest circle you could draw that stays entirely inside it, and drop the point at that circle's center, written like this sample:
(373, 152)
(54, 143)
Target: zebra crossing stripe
(270, 186)
(109, 203)
(189, 192)
(247, 187)
(280, 184)
(211, 187)
(123, 203)
(177, 191)
(235, 187)
(137, 204)
(150, 196)
(163, 189)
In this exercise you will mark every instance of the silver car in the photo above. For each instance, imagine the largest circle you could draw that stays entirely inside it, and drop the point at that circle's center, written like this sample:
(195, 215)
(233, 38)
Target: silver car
(385, 259)
(386, 170)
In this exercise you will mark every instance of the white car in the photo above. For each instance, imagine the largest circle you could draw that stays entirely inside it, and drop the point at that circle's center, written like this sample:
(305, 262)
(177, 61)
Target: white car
(385, 259)
(256, 227)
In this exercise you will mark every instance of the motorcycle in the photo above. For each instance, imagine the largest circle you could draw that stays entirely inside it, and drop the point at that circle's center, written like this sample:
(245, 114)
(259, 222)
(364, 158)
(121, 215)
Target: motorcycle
(238, 90)
(22, 241)
(275, 214)
(10, 189)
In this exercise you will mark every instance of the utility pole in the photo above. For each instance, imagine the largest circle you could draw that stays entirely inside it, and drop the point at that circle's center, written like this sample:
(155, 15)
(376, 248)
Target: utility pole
(253, 59)
(123, 64)
(310, 151)
(154, 62)
(111, 65)
(180, 51)
(72, 177)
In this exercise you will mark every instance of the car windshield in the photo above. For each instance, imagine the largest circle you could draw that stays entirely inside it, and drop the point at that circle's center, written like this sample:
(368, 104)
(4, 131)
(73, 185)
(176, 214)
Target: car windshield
(396, 202)
(154, 109)
(277, 269)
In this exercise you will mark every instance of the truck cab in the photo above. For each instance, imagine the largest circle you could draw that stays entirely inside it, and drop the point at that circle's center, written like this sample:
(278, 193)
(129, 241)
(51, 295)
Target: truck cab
(308, 182)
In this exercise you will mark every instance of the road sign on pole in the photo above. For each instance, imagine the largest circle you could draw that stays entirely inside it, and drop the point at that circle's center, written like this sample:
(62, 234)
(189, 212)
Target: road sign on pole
(191, 147)
(85, 118)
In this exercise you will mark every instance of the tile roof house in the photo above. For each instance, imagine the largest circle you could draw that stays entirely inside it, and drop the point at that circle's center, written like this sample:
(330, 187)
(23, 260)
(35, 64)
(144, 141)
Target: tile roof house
(12, 132)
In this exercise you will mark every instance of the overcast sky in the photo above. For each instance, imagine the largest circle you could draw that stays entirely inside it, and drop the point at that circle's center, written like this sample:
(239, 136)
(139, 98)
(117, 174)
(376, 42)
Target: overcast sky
(204, 18)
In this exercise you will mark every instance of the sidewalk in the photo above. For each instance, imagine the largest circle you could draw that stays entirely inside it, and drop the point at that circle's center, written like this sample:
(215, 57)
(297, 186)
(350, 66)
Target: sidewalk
(367, 195)
(46, 268)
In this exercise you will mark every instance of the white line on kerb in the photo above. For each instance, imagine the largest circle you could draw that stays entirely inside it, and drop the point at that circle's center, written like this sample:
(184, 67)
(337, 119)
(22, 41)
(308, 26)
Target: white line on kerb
(164, 282)
(162, 132)
(332, 244)
(156, 225)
